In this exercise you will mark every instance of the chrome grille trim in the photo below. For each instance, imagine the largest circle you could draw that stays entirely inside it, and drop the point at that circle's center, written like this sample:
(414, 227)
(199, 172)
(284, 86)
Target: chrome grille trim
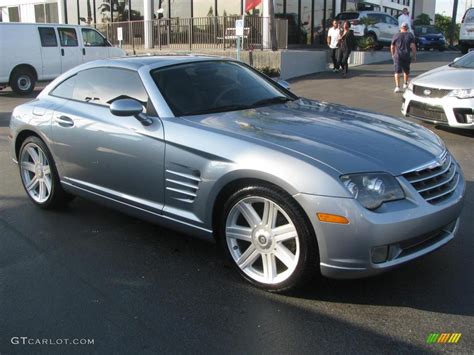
(435, 182)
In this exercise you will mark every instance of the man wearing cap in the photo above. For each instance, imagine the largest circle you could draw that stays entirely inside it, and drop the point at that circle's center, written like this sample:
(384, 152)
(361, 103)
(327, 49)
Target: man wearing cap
(402, 44)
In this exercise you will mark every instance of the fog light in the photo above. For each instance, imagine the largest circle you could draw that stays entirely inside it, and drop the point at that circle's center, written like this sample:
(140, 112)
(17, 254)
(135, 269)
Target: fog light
(469, 118)
(379, 254)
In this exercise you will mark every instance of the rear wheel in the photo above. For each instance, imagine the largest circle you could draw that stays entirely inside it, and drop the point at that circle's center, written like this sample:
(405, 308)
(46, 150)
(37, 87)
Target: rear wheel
(39, 175)
(23, 81)
(267, 238)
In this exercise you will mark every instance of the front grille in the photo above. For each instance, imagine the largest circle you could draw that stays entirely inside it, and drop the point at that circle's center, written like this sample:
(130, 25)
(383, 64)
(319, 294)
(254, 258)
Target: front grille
(436, 182)
(424, 91)
(430, 112)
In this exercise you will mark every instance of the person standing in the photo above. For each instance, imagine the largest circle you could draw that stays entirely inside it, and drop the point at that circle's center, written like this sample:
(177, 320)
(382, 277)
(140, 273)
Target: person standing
(347, 43)
(405, 18)
(334, 34)
(402, 44)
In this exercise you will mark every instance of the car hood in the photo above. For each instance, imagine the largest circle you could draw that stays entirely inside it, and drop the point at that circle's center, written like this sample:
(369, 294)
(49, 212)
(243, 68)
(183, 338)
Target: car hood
(347, 139)
(446, 77)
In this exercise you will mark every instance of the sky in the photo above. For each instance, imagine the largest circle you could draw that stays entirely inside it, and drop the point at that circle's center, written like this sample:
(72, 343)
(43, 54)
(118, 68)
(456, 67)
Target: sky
(446, 6)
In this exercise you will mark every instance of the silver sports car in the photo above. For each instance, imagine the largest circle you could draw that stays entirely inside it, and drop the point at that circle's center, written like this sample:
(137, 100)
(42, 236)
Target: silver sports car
(209, 146)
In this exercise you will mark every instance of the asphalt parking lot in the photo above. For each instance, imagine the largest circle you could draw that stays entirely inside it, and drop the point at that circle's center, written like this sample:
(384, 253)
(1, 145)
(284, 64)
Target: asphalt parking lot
(92, 273)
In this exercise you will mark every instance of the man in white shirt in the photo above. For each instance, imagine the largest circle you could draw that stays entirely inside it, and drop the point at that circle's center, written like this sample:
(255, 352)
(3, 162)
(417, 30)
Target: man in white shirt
(334, 34)
(405, 18)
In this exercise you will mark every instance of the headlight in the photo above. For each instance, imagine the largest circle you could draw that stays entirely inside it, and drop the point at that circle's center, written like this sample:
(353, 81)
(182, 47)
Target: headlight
(373, 189)
(462, 93)
(410, 86)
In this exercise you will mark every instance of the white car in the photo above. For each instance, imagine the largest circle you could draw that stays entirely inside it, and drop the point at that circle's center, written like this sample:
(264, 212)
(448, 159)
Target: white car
(466, 32)
(444, 95)
(32, 52)
(382, 31)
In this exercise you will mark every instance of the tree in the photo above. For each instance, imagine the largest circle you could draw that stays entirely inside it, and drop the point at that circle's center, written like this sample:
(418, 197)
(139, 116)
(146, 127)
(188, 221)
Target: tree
(443, 24)
(422, 19)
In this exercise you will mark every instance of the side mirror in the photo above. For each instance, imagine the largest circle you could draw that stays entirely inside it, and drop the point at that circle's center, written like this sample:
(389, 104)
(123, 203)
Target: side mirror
(130, 107)
(284, 84)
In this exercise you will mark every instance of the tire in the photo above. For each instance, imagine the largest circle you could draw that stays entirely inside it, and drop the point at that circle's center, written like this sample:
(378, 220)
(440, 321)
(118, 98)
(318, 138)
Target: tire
(23, 81)
(275, 265)
(39, 175)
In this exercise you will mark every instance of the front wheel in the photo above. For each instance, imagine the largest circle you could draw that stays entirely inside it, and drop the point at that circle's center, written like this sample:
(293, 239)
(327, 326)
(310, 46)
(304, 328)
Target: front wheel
(268, 239)
(39, 175)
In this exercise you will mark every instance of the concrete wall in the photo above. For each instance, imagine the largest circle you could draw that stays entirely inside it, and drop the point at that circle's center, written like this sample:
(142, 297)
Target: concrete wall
(299, 63)
(361, 58)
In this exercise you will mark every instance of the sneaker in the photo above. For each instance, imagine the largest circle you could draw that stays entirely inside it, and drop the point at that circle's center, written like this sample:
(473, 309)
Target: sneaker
(397, 90)
(335, 70)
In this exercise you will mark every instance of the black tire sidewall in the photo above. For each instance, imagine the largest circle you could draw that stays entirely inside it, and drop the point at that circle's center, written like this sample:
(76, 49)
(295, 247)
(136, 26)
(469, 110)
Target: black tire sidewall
(16, 76)
(56, 191)
(307, 241)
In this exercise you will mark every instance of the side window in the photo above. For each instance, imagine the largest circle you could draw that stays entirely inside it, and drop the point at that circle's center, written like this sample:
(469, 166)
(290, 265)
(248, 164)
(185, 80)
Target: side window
(391, 21)
(68, 37)
(48, 37)
(65, 89)
(104, 85)
(374, 18)
(92, 38)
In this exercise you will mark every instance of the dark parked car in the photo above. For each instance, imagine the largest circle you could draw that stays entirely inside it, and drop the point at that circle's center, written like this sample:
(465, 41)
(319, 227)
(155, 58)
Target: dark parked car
(429, 37)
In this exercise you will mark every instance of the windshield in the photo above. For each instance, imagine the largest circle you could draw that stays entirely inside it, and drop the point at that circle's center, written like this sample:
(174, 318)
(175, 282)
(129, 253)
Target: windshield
(215, 86)
(466, 61)
(423, 30)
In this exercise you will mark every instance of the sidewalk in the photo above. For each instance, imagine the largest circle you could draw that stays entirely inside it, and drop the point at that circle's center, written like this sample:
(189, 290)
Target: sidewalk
(368, 86)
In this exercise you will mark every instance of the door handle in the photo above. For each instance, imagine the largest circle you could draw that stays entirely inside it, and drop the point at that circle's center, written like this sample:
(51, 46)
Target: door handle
(62, 52)
(64, 121)
(83, 51)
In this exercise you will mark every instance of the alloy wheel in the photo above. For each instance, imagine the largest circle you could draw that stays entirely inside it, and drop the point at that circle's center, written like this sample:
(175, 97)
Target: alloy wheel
(36, 172)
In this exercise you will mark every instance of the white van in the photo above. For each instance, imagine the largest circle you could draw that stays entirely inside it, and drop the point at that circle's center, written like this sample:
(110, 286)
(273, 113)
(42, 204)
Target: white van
(466, 33)
(30, 52)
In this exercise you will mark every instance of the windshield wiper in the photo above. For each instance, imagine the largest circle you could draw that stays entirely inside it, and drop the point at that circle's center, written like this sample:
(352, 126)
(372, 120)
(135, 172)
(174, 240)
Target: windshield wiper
(271, 100)
(216, 109)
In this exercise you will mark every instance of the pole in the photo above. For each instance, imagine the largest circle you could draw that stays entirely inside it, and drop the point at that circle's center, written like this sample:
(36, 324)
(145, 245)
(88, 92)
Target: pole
(453, 23)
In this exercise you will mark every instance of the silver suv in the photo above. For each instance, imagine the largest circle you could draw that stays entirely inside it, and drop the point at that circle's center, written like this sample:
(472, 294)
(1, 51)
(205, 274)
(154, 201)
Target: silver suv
(382, 31)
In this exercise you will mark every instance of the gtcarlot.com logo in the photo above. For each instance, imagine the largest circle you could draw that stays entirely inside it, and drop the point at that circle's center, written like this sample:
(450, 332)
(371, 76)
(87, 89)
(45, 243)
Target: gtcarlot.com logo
(443, 338)
(49, 341)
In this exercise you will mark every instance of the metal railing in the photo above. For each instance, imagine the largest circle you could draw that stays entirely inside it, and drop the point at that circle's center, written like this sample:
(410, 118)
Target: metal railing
(213, 32)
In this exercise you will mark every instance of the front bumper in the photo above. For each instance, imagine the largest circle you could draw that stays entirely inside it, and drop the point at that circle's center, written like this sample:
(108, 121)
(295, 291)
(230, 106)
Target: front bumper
(409, 228)
(448, 111)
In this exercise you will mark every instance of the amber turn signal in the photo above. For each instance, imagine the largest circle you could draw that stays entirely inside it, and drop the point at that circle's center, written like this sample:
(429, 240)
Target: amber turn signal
(332, 218)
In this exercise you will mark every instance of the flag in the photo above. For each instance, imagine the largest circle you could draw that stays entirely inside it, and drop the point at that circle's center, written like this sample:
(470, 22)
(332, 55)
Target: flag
(251, 4)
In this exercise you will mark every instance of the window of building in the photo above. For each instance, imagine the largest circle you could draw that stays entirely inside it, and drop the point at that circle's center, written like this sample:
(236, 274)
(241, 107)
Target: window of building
(51, 11)
(14, 14)
(163, 5)
(203, 8)
(48, 37)
(180, 8)
(68, 37)
(86, 12)
(39, 13)
(103, 11)
(137, 10)
(229, 7)
(1, 14)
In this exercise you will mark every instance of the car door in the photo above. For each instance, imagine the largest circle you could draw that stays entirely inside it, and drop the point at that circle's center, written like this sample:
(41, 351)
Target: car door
(99, 152)
(50, 52)
(94, 45)
(70, 51)
(392, 27)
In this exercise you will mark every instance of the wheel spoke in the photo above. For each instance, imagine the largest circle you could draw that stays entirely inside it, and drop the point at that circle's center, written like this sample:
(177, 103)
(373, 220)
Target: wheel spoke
(238, 232)
(42, 190)
(33, 154)
(47, 183)
(269, 267)
(270, 212)
(285, 255)
(32, 184)
(285, 232)
(41, 157)
(248, 257)
(28, 166)
(249, 213)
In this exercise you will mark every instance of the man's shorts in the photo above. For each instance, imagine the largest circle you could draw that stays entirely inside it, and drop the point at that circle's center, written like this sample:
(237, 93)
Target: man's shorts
(401, 65)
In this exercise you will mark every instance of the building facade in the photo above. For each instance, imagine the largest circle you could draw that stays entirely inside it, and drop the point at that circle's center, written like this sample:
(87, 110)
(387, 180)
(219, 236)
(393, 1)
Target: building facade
(309, 19)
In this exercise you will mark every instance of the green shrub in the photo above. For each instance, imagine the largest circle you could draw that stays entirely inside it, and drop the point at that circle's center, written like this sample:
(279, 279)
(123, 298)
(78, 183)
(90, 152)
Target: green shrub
(366, 43)
(269, 71)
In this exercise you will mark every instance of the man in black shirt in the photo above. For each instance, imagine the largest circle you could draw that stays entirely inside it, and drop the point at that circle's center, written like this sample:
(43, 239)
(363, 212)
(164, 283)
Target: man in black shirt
(402, 44)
